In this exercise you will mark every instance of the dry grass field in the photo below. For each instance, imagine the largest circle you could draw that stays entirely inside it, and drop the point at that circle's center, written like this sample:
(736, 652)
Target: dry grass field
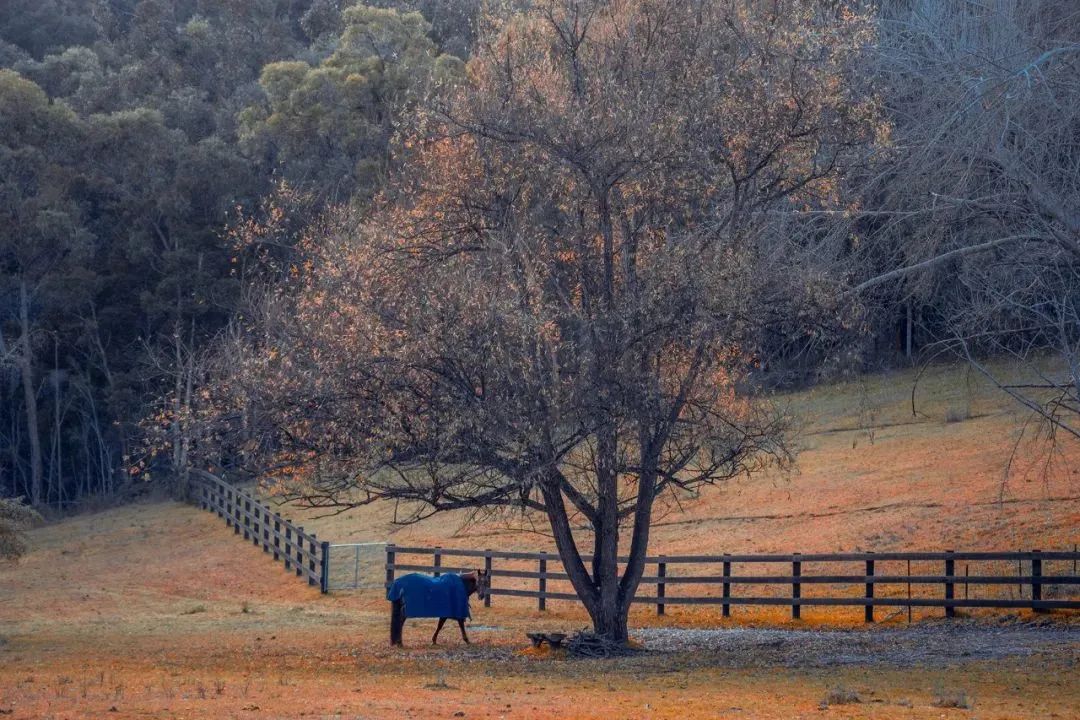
(154, 610)
(870, 476)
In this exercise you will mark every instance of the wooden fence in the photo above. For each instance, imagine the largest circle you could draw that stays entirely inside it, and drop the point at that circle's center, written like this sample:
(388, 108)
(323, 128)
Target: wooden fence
(244, 513)
(874, 582)
(732, 574)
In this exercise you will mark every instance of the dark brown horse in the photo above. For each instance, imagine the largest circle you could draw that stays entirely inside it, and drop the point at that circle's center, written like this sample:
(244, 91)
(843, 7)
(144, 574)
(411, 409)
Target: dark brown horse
(477, 582)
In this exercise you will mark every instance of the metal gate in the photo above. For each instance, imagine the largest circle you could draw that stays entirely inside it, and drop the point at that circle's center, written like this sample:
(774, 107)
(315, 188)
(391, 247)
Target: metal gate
(356, 566)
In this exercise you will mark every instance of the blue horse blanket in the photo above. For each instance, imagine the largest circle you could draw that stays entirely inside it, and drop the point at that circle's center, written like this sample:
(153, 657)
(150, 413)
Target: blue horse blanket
(434, 597)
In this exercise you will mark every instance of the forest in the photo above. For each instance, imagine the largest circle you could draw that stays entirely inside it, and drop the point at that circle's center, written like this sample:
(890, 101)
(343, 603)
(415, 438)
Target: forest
(196, 196)
(137, 137)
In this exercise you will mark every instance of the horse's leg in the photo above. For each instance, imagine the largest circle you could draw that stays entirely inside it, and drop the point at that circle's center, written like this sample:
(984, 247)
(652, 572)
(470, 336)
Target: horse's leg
(435, 637)
(461, 624)
(397, 621)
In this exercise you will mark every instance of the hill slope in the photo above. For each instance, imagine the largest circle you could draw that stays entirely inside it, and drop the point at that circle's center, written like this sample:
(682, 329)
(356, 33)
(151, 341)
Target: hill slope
(155, 610)
(966, 469)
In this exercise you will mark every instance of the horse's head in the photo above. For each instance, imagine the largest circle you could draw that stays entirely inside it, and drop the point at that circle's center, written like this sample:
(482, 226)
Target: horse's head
(478, 581)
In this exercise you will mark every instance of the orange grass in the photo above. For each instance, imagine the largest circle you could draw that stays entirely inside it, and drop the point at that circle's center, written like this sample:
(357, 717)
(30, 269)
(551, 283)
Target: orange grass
(156, 611)
(145, 613)
(870, 476)
(107, 622)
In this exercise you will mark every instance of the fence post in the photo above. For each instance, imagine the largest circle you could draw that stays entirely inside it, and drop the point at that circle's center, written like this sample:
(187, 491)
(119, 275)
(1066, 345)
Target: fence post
(229, 509)
(324, 575)
(235, 512)
(543, 583)
(661, 589)
(1036, 581)
(1019, 574)
(266, 530)
(950, 568)
(356, 567)
(247, 519)
(726, 608)
(438, 560)
(256, 524)
(288, 544)
(909, 591)
(487, 570)
(311, 559)
(277, 536)
(796, 588)
(389, 565)
(299, 551)
(868, 610)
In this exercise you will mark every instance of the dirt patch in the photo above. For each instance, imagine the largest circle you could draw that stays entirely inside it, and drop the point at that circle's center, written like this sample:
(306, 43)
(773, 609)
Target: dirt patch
(935, 645)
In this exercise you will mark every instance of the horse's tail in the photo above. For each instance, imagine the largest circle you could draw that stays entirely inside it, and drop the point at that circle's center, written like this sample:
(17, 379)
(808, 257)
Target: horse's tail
(397, 621)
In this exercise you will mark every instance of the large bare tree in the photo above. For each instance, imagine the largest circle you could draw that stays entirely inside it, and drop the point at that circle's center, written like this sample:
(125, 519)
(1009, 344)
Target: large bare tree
(557, 304)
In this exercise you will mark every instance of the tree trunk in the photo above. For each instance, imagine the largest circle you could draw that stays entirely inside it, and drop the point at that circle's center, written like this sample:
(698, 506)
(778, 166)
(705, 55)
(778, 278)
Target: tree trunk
(605, 595)
(56, 459)
(26, 367)
(908, 336)
(588, 588)
(610, 618)
(181, 429)
(13, 442)
(189, 390)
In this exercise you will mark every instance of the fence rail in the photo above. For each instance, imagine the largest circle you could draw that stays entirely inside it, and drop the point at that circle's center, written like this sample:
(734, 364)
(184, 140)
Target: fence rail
(300, 551)
(868, 579)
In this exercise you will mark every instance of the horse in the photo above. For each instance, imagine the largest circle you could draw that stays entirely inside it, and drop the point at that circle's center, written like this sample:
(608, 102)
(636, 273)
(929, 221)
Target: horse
(444, 597)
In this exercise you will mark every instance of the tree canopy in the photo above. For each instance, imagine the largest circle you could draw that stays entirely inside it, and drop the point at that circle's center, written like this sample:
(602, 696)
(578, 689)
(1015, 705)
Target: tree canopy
(558, 300)
(135, 134)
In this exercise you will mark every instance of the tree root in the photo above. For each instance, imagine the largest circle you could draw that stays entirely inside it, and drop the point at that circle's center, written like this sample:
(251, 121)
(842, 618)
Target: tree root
(590, 645)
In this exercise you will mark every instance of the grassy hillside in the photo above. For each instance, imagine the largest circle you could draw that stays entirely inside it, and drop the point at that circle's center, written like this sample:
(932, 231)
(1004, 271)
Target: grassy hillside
(965, 469)
(154, 610)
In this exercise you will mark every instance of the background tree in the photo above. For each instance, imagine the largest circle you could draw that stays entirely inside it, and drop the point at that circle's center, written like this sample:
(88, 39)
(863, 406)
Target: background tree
(329, 126)
(41, 238)
(146, 182)
(981, 189)
(559, 300)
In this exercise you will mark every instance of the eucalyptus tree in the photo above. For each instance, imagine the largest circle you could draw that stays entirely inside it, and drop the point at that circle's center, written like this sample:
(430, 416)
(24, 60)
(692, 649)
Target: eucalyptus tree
(327, 127)
(41, 238)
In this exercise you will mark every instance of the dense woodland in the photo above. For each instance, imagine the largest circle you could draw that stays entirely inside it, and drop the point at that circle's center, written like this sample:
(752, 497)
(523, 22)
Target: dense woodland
(163, 162)
(135, 135)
